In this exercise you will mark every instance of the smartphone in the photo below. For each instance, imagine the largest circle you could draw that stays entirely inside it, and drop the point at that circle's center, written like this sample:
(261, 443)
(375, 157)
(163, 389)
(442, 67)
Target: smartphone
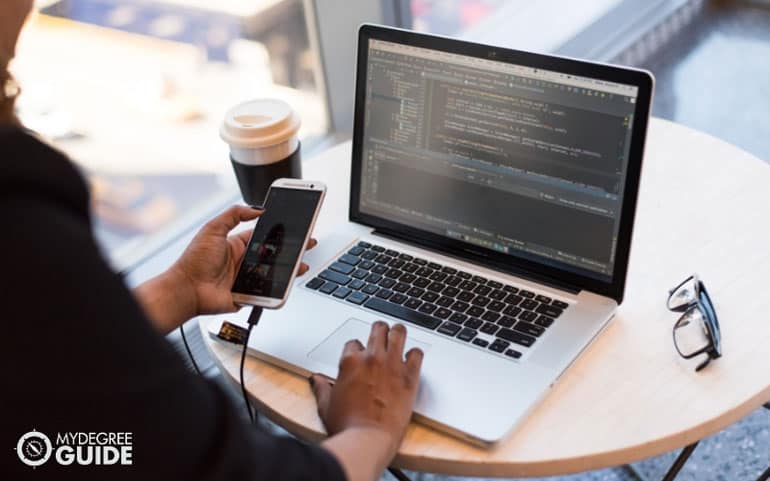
(278, 242)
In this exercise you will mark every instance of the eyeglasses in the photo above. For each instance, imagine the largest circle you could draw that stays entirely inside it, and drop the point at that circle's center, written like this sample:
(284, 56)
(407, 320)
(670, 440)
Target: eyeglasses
(697, 330)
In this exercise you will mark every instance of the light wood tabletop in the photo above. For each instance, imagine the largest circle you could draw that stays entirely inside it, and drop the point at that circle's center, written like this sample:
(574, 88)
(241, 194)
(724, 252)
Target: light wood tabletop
(704, 207)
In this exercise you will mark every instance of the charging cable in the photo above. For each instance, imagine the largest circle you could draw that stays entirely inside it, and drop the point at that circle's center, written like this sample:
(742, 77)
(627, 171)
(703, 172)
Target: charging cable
(256, 313)
(189, 351)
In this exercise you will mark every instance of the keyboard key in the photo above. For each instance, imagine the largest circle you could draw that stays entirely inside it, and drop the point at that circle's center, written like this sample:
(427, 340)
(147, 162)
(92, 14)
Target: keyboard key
(528, 328)
(474, 322)
(401, 312)
(397, 263)
(544, 321)
(463, 275)
(315, 283)
(513, 353)
(510, 289)
(528, 316)
(398, 298)
(342, 268)
(357, 298)
(479, 279)
(438, 276)
(370, 289)
(458, 318)
(482, 290)
(386, 283)
(475, 311)
(449, 328)
(421, 282)
(436, 287)
(528, 304)
(373, 278)
(393, 273)
(467, 334)
(429, 296)
(499, 345)
(405, 257)
(516, 336)
(427, 308)
(424, 272)
(527, 294)
(490, 316)
(328, 287)
(453, 281)
(342, 293)
(365, 245)
(496, 306)
(350, 259)
(356, 284)
(489, 328)
(550, 311)
(420, 262)
(379, 269)
(543, 299)
(481, 301)
(506, 321)
(328, 275)
(391, 253)
(465, 296)
(411, 267)
(512, 311)
(434, 266)
(442, 313)
(378, 249)
(384, 293)
(407, 278)
(497, 295)
(413, 303)
(449, 270)
(559, 304)
(445, 301)
(415, 292)
(360, 274)
(467, 285)
(480, 342)
(356, 251)
(460, 306)
(369, 255)
(513, 299)
(401, 287)
(366, 265)
(494, 284)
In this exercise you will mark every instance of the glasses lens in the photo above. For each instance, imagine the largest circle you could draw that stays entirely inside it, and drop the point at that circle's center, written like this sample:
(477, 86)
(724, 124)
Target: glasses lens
(683, 295)
(690, 332)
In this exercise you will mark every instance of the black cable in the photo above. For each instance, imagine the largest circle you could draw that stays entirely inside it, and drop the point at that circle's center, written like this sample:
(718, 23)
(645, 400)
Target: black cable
(189, 351)
(256, 313)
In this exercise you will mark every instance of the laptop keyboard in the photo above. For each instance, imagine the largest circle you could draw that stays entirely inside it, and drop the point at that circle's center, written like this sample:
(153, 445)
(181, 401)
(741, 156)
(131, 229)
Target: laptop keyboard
(449, 301)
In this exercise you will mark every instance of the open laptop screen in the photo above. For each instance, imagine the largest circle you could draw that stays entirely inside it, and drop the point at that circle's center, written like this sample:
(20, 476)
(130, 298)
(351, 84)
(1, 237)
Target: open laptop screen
(518, 160)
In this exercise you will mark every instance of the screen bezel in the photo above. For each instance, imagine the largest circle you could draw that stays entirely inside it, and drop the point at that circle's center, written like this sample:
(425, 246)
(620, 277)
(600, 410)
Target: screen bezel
(513, 264)
(276, 302)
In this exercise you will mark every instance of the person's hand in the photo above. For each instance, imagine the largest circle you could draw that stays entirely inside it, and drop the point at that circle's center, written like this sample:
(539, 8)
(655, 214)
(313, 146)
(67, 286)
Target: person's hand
(210, 263)
(375, 388)
(11, 21)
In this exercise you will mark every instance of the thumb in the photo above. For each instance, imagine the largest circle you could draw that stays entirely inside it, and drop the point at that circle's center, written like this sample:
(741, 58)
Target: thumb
(322, 390)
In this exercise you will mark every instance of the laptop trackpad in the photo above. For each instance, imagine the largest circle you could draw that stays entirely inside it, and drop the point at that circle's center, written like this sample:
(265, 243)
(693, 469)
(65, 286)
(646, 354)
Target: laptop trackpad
(330, 349)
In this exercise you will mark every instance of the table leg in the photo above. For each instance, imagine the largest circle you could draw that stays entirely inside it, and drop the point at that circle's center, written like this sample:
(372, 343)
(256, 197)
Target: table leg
(398, 474)
(679, 462)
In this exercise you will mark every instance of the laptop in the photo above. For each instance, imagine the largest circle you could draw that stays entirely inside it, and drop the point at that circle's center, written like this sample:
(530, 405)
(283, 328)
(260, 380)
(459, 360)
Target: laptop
(492, 204)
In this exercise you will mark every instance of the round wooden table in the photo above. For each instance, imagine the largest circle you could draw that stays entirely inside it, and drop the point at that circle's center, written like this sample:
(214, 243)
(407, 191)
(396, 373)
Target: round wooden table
(704, 207)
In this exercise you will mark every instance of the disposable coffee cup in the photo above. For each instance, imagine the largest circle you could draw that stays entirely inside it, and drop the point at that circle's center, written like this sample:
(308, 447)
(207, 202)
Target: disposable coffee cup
(264, 146)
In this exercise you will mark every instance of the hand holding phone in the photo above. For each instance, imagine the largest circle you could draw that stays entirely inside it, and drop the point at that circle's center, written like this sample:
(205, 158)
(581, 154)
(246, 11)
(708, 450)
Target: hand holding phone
(278, 242)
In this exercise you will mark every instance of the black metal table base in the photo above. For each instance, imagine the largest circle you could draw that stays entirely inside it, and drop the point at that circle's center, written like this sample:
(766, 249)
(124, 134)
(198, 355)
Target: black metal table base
(398, 474)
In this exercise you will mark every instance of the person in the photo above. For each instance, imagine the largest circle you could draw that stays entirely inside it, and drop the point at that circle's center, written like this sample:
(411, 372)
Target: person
(84, 354)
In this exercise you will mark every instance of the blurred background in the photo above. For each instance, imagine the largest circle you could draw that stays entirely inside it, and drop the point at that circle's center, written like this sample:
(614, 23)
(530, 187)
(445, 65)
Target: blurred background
(134, 91)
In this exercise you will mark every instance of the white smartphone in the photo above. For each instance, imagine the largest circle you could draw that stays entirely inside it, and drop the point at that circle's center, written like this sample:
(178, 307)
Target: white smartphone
(278, 242)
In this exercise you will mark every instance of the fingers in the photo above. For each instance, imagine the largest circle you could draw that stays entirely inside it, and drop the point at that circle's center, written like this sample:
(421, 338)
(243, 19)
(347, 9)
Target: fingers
(302, 269)
(311, 243)
(229, 219)
(351, 347)
(378, 338)
(322, 390)
(414, 363)
(396, 340)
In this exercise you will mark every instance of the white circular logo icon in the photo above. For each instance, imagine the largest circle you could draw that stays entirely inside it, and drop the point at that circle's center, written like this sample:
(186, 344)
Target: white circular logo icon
(34, 448)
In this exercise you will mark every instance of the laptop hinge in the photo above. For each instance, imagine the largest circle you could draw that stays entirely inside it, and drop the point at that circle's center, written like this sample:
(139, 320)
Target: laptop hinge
(469, 255)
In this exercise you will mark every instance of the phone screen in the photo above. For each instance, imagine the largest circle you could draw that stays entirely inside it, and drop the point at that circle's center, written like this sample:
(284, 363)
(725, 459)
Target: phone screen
(276, 243)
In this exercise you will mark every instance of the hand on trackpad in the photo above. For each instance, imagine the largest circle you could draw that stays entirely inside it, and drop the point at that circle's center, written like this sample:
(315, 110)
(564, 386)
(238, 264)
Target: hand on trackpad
(330, 349)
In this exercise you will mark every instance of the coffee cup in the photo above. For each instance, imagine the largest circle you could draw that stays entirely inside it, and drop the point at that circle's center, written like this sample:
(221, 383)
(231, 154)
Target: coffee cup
(264, 146)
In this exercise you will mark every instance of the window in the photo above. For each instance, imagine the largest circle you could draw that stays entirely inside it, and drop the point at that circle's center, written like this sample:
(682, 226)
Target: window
(134, 91)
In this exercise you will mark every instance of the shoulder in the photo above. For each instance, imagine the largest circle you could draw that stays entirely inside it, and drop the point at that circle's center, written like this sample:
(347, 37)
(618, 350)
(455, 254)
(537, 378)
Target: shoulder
(31, 168)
